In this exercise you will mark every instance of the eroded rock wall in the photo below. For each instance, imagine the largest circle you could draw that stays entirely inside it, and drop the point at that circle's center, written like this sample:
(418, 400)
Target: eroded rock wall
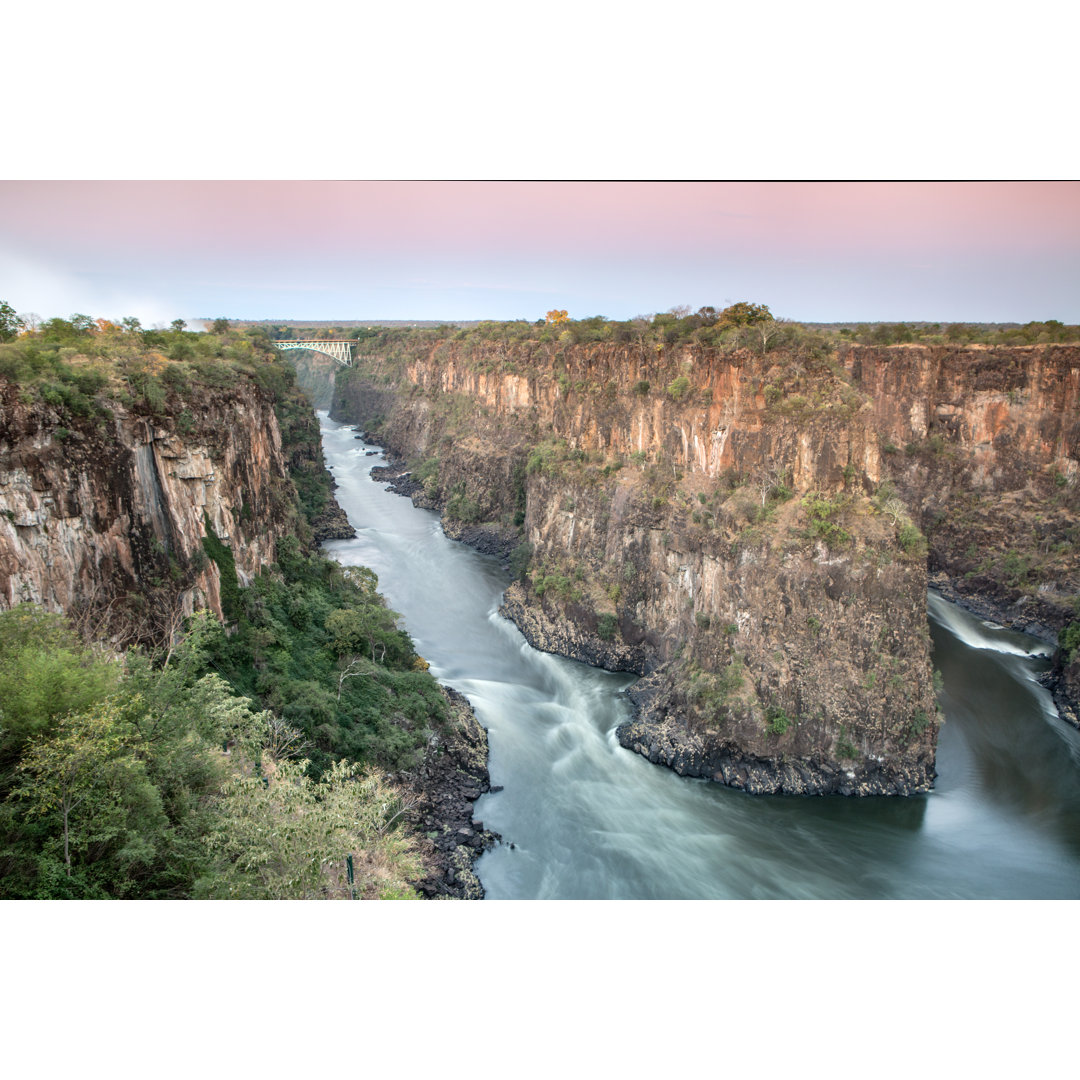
(107, 516)
(786, 650)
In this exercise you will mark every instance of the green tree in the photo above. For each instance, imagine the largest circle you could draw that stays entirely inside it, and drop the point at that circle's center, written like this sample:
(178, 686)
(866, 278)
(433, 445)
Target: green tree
(282, 836)
(744, 314)
(45, 672)
(10, 323)
(87, 778)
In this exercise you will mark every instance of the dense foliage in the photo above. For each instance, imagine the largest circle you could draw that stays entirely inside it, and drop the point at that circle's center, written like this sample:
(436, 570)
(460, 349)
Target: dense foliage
(119, 778)
(316, 643)
(122, 779)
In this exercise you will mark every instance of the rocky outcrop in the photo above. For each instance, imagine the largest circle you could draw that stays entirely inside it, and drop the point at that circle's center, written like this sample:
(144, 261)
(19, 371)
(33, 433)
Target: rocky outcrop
(108, 514)
(653, 496)
(572, 633)
(332, 523)
(445, 786)
(983, 444)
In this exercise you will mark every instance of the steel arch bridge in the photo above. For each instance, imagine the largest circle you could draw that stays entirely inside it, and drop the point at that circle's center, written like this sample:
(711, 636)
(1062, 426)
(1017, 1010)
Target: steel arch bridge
(341, 351)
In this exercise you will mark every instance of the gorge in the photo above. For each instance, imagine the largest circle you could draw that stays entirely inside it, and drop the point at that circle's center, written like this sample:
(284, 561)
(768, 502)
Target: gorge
(753, 533)
(742, 536)
(582, 818)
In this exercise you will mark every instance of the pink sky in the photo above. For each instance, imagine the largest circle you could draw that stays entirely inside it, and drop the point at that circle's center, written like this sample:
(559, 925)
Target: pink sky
(300, 249)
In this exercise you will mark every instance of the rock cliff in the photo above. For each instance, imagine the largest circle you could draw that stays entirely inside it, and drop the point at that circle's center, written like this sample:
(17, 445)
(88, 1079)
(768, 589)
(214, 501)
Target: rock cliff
(106, 516)
(751, 533)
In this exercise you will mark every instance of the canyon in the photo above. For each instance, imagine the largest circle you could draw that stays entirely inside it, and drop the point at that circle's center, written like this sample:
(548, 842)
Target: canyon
(752, 534)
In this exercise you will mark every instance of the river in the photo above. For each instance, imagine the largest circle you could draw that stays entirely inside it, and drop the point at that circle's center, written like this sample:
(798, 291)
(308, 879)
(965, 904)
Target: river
(590, 820)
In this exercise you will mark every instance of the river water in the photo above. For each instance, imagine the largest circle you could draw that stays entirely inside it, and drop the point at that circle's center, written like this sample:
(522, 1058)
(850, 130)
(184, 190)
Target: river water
(590, 820)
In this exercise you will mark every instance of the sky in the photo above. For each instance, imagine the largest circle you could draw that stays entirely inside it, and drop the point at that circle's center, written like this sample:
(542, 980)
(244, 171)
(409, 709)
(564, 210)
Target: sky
(338, 249)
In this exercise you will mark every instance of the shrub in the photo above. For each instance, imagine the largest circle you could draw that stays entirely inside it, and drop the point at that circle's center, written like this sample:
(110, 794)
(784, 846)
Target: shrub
(845, 748)
(1069, 640)
(778, 720)
(678, 388)
(821, 511)
(606, 626)
(918, 723)
(519, 561)
(912, 540)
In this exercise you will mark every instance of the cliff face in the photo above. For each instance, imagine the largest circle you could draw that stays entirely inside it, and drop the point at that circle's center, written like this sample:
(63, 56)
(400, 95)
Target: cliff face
(984, 443)
(106, 516)
(714, 521)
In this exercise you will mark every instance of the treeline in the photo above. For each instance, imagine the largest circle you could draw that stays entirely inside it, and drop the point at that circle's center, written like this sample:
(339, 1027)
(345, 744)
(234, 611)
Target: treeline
(740, 325)
(82, 364)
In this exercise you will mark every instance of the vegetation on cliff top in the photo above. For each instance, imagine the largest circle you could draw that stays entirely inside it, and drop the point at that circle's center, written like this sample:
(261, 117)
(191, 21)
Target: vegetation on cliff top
(740, 325)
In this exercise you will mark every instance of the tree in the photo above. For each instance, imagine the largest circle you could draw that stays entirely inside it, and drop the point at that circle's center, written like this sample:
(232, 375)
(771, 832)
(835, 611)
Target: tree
(87, 774)
(131, 325)
(769, 478)
(177, 326)
(556, 316)
(744, 314)
(282, 836)
(766, 329)
(45, 672)
(219, 326)
(10, 323)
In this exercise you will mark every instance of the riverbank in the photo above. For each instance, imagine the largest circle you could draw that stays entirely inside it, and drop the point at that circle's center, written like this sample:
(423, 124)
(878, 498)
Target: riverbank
(445, 787)
(454, 773)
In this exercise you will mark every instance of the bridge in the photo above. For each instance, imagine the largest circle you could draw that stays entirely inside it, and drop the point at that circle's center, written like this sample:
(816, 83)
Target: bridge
(341, 351)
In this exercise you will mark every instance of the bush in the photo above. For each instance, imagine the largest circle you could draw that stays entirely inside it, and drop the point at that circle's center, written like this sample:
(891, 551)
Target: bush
(678, 388)
(821, 511)
(519, 561)
(1069, 640)
(778, 720)
(912, 540)
(606, 626)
